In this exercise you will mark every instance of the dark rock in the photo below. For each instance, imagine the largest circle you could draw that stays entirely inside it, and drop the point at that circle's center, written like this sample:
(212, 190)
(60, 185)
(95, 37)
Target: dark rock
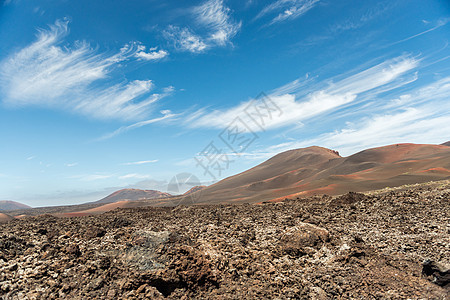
(349, 198)
(42, 231)
(95, 232)
(73, 250)
(438, 273)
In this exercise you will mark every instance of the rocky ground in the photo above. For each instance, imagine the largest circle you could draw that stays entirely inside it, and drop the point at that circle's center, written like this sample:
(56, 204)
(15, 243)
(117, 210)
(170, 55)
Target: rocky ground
(350, 247)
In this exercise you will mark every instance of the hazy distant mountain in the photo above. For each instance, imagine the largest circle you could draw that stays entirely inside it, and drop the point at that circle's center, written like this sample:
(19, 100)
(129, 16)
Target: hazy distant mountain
(12, 205)
(446, 144)
(133, 194)
(317, 170)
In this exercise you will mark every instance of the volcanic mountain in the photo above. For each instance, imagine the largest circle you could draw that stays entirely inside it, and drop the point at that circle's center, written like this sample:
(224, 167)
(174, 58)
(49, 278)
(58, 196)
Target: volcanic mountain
(4, 218)
(317, 170)
(12, 205)
(132, 194)
(194, 189)
(296, 174)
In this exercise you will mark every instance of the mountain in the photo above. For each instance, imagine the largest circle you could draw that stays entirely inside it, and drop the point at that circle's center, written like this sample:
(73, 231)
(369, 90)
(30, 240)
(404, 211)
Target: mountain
(5, 218)
(446, 143)
(12, 205)
(194, 189)
(132, 194)
(316, 170)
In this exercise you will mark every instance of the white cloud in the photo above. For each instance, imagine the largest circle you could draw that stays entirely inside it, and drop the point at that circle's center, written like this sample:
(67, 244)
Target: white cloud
(151, 55)
(294, 102)
(134, 176)
(140, 162)
(215, 16)
(31, 157)
(287, 9)
(184, 39)
(215, 27)
(439, 24)
(45, 73)
(166, 115)
(92, 177)
(420, 117)
(375, 77)
(71, 165)
(120, 101)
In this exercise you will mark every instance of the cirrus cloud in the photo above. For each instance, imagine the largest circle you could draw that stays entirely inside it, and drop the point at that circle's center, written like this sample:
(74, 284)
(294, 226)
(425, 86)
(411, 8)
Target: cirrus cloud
(46, 73)
(214, 27)
(296, 103)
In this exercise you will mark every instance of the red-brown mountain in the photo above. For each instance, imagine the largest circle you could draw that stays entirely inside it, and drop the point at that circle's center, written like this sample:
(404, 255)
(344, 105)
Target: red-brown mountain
(12, 205)
(304, 172)
(4, 218)
(133, 194)
(317, 170)
(195, 189)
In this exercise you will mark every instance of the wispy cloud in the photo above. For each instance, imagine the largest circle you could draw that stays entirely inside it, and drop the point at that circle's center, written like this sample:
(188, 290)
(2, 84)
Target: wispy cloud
(92, 177)
(142, 162)
(408, 118)
(166, 115)
(47, 74)
(215, 17)
(358, 21)
(31, 157)
(184, 39)
(152, 54)
(286, 9)
(71, 165)
(439, 24)
(214, 27)
(297, 102)
(134, 176)
(354, 22)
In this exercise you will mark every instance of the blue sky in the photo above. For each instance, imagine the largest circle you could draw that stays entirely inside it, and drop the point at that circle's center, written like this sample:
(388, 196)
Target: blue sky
(99, 96)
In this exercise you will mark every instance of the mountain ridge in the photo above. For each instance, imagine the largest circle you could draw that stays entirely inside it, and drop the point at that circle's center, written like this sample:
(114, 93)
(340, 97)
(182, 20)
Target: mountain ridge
(6, 205)
(317, 170)
(132, 195)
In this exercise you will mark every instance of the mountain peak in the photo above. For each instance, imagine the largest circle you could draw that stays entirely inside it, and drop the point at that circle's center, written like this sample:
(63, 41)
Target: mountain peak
(133, 194)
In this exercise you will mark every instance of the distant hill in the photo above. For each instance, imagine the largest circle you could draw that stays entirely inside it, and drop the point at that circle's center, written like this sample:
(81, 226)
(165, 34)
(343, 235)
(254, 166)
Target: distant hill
(301, 173)
(446, 144)
(12, 205)
(131, 195)
(316, 170)
(5, 218)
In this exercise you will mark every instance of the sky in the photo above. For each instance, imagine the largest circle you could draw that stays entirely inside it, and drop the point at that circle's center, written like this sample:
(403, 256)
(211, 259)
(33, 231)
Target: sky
(97, 96)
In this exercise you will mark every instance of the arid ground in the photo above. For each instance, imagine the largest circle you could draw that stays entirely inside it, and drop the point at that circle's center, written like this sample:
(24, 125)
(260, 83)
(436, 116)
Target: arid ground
(353, 246)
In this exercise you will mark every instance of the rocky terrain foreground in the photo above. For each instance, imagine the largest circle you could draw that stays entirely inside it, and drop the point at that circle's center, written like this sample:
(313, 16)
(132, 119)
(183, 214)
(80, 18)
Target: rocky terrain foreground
(353, 246)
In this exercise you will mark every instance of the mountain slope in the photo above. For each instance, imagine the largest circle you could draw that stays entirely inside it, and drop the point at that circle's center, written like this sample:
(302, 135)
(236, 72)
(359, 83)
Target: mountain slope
(132, 194)
(4, 218)
(12, 205)
(194, 189)
(317, 170)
